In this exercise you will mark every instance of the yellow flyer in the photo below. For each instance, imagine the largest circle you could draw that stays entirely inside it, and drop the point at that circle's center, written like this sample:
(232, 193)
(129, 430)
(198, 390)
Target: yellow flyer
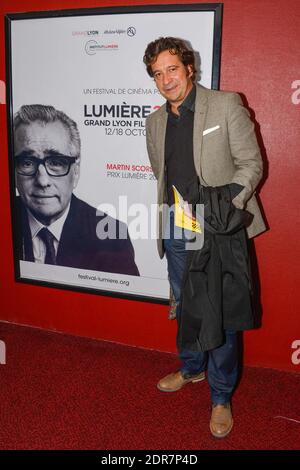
(183, 216)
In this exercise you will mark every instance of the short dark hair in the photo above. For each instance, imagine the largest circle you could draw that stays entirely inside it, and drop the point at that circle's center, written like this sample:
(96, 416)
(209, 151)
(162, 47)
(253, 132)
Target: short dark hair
(175, 46)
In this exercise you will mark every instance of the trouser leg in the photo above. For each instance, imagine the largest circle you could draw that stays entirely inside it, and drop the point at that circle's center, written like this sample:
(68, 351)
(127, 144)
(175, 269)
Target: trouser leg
(193, 362)
(222, 369)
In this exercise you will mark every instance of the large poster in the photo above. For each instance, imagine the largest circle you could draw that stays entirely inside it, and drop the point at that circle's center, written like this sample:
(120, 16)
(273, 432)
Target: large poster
(86, 66)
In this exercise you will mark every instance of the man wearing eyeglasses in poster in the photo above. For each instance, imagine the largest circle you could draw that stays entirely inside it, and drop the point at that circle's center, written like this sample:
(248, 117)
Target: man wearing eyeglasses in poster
(57, 228)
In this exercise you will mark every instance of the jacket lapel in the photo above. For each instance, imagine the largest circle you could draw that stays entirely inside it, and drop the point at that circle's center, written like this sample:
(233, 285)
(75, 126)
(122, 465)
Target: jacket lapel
(199, 123)
(201, 107)
(70, 240)
(26, 248)
(161, 136)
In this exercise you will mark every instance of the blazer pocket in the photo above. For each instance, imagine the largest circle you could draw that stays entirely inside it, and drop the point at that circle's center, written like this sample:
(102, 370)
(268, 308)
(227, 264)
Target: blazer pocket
(211, 132)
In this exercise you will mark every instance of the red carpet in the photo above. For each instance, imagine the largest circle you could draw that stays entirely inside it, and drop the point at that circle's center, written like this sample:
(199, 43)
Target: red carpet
(64, 392)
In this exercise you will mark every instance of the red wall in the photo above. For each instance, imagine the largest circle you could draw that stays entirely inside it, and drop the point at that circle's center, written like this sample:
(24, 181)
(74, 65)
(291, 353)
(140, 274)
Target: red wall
(260, 58)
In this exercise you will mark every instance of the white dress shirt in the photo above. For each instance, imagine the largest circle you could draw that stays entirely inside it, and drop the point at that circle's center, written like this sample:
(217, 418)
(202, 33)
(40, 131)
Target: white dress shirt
(39, 248)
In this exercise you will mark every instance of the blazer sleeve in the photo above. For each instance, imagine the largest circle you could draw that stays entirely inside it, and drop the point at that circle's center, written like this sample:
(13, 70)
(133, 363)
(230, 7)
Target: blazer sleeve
(244, 149)
(151, 150)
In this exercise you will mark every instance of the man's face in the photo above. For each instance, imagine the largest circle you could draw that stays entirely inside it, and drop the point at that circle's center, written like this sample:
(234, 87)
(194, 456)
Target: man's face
(172, 78)
(46, 196)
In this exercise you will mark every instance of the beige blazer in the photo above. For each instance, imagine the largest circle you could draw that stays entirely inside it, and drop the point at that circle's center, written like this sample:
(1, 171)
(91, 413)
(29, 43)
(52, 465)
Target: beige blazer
(225, 151)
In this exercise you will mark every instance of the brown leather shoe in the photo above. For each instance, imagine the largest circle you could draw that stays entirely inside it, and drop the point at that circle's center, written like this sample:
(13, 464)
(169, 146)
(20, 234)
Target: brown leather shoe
(221, 421)
(175, 381)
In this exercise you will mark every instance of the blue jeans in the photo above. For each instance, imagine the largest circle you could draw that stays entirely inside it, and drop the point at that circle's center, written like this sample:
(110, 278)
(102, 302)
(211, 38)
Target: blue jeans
(221, 363)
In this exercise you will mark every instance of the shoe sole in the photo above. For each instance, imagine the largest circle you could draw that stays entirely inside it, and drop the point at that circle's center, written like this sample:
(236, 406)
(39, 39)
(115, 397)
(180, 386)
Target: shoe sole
(221, 436)
(168, 390)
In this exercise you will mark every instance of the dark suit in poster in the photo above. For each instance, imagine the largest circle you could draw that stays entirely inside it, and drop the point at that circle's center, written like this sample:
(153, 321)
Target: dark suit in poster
(79, 247)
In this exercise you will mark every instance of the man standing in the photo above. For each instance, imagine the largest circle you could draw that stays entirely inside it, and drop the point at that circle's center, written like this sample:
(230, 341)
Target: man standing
(204, 137)
(56, 227)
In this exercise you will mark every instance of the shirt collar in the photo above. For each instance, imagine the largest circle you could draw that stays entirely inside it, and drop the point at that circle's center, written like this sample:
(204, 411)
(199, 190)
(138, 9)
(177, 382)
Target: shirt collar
(188, 103)
(55, 228)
